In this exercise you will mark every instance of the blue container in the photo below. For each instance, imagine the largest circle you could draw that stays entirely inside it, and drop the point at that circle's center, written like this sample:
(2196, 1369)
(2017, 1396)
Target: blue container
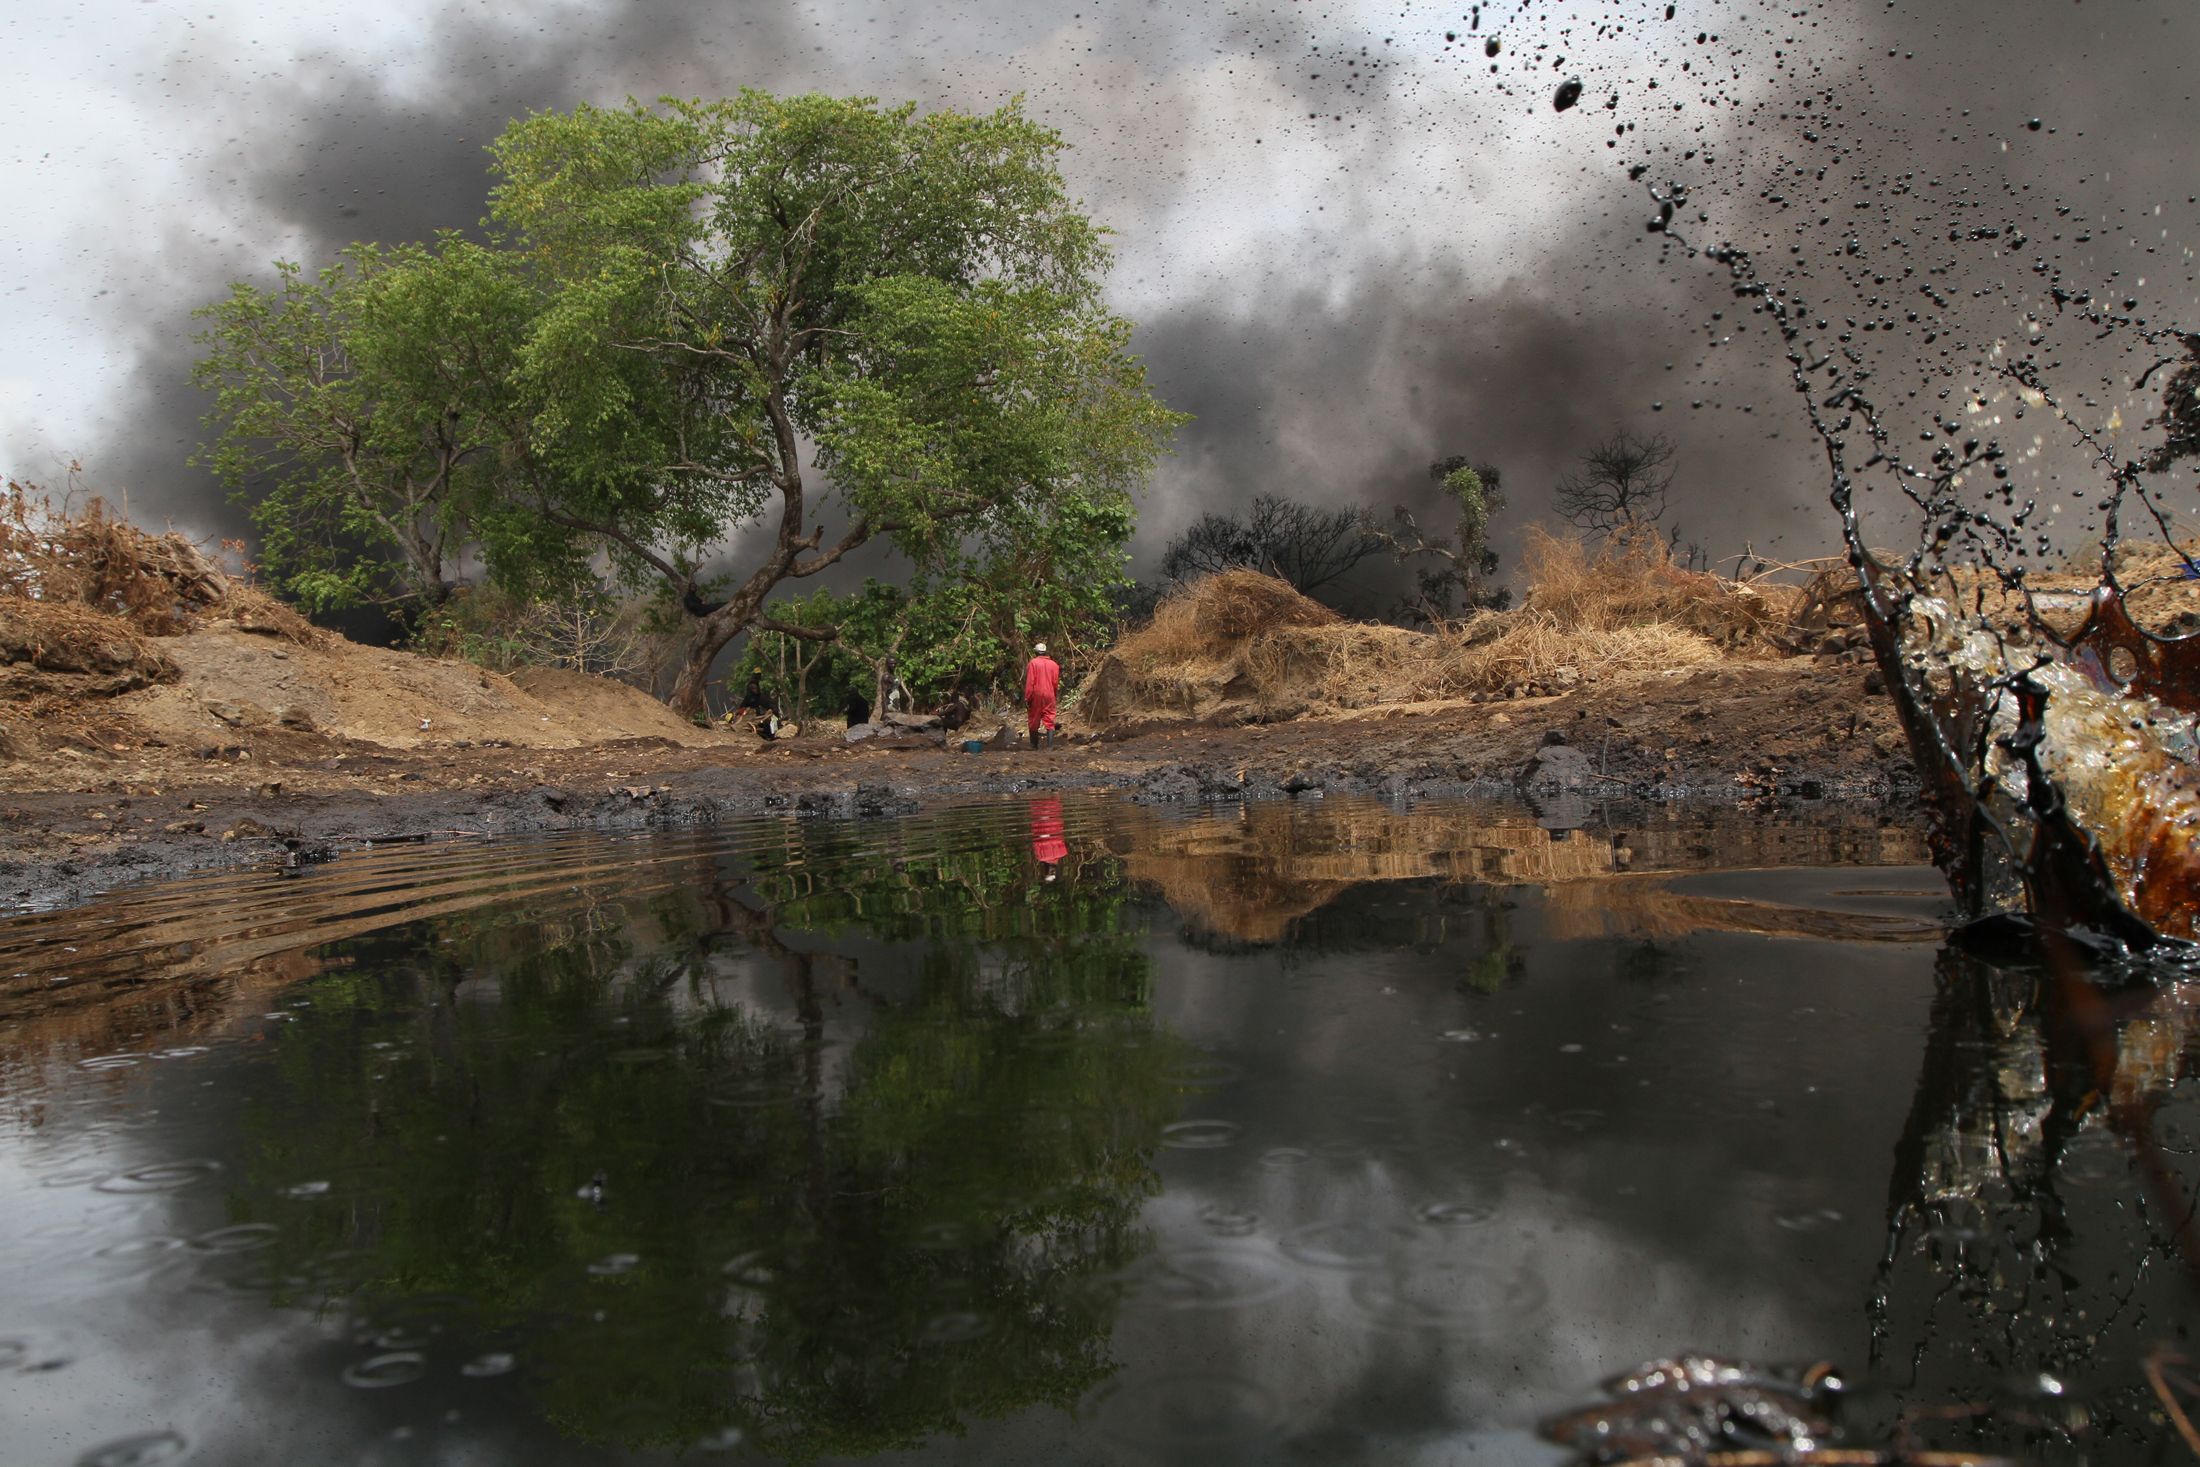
(973, 746)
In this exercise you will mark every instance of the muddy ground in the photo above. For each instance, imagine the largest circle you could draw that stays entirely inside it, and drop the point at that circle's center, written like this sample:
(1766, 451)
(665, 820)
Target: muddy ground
(103, 814)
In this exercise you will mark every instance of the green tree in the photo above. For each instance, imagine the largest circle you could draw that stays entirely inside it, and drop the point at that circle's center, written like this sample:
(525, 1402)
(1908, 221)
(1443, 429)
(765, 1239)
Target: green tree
(1453, 569)
(912, 302)
(362, 411)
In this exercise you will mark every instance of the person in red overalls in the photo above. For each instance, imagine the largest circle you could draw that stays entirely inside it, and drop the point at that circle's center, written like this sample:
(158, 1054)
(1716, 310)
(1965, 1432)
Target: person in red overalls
(1047, 843)
(1042, 676)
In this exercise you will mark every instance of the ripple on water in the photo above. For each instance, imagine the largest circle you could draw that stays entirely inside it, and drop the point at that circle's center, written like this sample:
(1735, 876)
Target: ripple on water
(142, 1450)
(31, 1355)
(1283, 1158)
(110, 1062)
(1229, 1222)
(140, 1252)
(1210, 1278)
(611, 1265)
(1193, 1415)
(1445, 1295)
(2094, 1159)
(757, 1092)
(165, 1176)
(237, 1238)
(1455, 1214)
(481, 1367)
(75, 1176)
(303, 1190)
(756, 1269)
(1201, 1135)
(1342, 1243)
(940, 1237)
(378, 1372)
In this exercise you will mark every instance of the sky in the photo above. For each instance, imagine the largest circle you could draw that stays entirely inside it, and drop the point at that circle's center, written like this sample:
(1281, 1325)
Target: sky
(1353, 242)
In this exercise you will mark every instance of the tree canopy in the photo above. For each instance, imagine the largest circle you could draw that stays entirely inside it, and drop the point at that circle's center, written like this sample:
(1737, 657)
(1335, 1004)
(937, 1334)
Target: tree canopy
(699, 303)
(363, 408)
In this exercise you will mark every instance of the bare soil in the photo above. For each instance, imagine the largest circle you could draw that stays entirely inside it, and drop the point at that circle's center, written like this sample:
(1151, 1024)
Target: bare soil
(299, 764)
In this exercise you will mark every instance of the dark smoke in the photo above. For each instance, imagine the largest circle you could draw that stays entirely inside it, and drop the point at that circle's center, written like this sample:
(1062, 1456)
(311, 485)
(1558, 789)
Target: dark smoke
(1349, 350)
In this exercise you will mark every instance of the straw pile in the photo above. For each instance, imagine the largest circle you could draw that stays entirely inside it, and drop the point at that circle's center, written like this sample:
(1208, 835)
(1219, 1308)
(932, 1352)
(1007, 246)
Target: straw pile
(1243, 647)
(156, 585)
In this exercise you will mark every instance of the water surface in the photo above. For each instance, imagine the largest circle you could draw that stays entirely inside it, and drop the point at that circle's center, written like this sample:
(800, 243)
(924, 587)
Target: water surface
(1057, 1131)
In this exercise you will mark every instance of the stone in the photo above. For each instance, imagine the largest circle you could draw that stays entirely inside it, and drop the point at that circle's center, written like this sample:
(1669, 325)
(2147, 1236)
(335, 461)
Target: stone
(1557, 766)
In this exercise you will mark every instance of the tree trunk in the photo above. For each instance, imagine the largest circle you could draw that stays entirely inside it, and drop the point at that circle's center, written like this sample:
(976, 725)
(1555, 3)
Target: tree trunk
(692, 686)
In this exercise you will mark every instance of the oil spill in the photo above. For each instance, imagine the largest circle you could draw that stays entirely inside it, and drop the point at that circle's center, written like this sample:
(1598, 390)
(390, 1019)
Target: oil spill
(808, 1139)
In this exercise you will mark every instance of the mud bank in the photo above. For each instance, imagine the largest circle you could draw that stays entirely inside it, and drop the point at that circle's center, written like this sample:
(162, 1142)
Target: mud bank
(1788, 732)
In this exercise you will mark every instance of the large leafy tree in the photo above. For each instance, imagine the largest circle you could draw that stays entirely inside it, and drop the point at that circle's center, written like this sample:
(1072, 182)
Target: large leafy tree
(737, 292)
(365, 412)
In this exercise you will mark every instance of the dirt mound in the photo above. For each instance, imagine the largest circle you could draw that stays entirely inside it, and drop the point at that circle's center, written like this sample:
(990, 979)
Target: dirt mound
(613, 708)
(111, 637)
(1245, 647)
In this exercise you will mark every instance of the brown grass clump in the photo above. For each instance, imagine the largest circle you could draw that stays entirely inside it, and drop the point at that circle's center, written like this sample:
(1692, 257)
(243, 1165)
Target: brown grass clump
(1213, 616)
(1246, 646)
(1632, 581)
(161, 585)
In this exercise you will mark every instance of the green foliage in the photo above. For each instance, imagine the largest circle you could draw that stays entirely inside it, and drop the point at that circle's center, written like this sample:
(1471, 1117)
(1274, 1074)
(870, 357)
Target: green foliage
(362, 413)
(679, 303)
(1451, 571)
(917, 297)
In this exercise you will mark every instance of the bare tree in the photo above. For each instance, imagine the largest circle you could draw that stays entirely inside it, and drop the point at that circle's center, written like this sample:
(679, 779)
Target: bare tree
(1295, 542)
(1622, 483)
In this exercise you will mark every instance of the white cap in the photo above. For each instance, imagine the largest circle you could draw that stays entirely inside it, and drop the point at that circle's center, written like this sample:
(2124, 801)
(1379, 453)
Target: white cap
(1038, 646)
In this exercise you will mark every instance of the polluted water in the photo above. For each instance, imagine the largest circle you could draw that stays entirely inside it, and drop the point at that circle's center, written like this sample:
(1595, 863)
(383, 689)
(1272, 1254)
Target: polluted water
(1073, 1129)
(1328, 1133)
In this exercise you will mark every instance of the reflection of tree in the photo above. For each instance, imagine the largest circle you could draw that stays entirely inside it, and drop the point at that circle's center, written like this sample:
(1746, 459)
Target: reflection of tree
(835, 1252)
(2008, 1188)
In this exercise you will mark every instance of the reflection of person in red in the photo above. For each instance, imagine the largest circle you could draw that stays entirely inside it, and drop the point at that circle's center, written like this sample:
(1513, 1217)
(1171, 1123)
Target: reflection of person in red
(1042, 675)
(1046, 836)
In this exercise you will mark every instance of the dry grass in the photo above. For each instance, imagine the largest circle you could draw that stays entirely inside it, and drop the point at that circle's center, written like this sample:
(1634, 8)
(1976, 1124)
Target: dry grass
(1632, 581)
(160, 585)
(1246, 645)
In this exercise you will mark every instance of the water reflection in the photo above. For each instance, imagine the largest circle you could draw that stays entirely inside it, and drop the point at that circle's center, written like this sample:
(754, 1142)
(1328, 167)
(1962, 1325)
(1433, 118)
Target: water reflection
(704, 1175)
(1329, 1132)
(2024, 1246)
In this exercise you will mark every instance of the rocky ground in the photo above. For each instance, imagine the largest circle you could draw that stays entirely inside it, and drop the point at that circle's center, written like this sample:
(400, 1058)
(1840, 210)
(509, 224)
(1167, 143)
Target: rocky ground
(101, 808)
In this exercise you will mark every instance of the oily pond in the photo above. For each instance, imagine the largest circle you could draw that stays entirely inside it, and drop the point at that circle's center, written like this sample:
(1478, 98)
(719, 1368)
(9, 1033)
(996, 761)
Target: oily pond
(1065, 1129)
